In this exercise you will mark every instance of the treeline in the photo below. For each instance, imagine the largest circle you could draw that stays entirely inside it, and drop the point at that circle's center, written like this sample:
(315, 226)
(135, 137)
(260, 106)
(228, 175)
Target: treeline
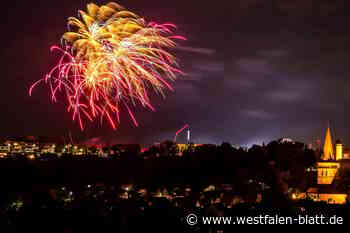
(278, 165)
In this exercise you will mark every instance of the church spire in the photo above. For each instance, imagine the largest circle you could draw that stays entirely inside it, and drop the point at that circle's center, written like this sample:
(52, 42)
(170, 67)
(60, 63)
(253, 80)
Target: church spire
(328, 146)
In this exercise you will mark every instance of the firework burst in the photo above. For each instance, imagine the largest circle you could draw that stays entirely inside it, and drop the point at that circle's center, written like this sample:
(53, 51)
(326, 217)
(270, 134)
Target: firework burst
(110, 59)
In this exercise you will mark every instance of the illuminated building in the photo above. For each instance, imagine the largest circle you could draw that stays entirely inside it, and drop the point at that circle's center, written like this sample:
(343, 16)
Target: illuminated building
(74, 149)
(328, 167)
(322, 194)
(30, 148)
(4, 149)
(338, 150)
(328, 174)
(67, 149)
(20, 147)
(180, 147)
(16, 147)
(48, 148)
(328, 147)
(79, 150)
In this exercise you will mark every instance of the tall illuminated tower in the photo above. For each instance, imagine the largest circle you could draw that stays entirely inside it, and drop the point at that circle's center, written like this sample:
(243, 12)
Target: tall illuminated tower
(188, 135)
(328, 168)
(338, 150)
(328, 153)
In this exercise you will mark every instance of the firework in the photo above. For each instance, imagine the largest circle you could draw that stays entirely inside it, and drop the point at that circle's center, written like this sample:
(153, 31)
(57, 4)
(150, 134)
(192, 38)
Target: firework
(110, 59)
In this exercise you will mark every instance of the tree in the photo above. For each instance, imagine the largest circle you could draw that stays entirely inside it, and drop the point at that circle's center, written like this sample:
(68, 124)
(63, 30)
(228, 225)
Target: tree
(168, 148)
(116, 150)
(93, 150)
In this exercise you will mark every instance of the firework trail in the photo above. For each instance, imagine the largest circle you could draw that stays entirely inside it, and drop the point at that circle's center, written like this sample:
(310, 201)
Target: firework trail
(110, 59)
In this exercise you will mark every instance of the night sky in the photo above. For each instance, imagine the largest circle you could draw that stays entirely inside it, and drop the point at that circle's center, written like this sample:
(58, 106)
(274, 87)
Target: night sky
(256, 70)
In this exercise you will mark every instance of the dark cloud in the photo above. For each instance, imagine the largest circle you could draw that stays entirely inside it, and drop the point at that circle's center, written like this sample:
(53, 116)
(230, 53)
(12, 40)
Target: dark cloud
(273, 53)
(258, 114)
(204, 51)
(254, 65)
(209, 67)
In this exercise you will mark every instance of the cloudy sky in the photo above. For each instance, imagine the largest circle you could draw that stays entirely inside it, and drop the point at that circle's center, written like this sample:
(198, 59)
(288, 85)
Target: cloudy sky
(256, 70)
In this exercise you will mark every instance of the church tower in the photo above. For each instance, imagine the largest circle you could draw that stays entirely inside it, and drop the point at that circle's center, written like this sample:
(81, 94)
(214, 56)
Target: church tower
(328, 153)
(338, 150)
(328, 167)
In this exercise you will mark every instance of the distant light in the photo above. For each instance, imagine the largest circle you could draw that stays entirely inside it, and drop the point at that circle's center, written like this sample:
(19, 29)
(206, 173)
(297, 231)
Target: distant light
(286, 140)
